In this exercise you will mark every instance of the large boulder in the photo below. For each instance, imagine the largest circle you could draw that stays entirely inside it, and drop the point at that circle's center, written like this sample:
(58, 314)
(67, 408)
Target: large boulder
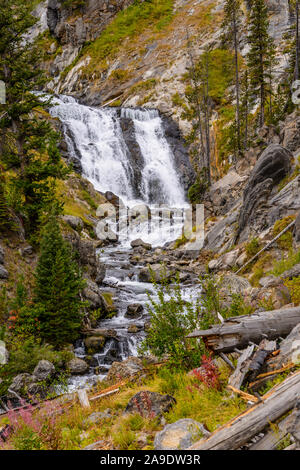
(75, 222)
(156, 272)
(44, 371)
(150, 404)
(77, 366)
(134, 310)
(19, 384)
(94, 344)
(140, 243)
(179, 435)
(125, 369)
(271, 167)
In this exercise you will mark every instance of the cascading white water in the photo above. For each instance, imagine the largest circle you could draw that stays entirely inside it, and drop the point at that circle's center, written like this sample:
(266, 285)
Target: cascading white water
(159, 177)
(94, 136)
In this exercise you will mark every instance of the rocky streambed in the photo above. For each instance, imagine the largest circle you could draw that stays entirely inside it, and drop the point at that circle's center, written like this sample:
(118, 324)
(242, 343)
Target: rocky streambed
(126, 286)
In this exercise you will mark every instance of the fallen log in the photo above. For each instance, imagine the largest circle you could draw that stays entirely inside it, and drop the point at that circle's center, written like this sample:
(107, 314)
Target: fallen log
(273, 437)
(262, 379)
(237, 378)
(238, 332)
(243, 395)
(248, 424)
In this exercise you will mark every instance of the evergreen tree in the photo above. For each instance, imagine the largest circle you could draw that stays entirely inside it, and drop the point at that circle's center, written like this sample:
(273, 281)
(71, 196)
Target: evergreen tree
(261, 54)
(231, 35)
(58, 286)
(28, 144)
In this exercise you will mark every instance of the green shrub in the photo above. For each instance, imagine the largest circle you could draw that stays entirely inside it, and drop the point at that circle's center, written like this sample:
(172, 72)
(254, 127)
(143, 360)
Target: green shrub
(172, 318)
(285, 242)
(294, 288)
(286, 263)
(252, 247)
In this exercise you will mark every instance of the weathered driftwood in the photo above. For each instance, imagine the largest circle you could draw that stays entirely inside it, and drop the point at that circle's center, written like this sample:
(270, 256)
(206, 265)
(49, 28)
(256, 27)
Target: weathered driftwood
(264, 350)
(273, 437)
(238, 332)
(289, 350)
(242, 368)
(241, 429)
(243, 395)
(262, 379)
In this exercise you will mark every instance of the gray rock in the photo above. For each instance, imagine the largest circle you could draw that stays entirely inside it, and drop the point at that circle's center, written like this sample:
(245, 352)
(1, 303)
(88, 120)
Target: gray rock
(297, 229)
(44, 370)
(235, 284)
(77, 366)
(140, 243)
(271, 167)
(156, 272)
(150, 404)
(96, 418)
(290, 273)
(125, 369)
(3, 273)
(101, 272)
(134, 310)
(75, 222)
(180, 435)
(133, 329)
(94, 344)
(2, 255)
(19, 384)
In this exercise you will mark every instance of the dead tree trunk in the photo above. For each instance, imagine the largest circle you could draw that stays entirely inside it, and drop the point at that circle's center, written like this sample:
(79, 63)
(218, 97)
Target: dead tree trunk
(237, 332)
(241, 429)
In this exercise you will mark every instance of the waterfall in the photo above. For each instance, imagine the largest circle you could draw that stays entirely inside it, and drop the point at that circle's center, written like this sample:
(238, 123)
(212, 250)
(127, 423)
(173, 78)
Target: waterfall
(95, 137)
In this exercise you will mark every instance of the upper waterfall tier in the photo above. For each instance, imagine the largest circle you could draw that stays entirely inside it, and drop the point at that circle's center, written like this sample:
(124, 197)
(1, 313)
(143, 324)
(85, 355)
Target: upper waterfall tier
(125, 151)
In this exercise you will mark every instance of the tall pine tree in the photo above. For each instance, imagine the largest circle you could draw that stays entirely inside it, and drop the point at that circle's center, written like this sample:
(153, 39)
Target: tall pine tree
(231, 35)
(28, 144)
(58, 286)
(261, 54)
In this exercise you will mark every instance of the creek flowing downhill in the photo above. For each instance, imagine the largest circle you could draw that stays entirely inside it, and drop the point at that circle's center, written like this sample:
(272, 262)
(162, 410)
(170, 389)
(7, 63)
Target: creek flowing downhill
(95, 137)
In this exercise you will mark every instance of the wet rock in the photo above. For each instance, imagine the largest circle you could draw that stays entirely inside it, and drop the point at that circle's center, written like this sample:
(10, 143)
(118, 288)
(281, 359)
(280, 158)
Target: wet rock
(134, 310)
(125, 369)
(75, 222)
(77, 366)
(140, 243)
(180, 435)
(3, 273)
(156, 272)
(44, 370)
(94, 344)
(101, 272)
(150, 404)
(133, 329)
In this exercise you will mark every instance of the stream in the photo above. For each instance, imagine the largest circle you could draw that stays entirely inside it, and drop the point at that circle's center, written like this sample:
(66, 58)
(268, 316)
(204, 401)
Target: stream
(141, 171)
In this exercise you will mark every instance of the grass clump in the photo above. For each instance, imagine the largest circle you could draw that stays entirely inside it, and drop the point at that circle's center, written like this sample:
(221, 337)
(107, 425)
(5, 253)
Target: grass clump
(293, 286)
(130, 23)
(285, 242)
(292, 258)
(252, 247)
